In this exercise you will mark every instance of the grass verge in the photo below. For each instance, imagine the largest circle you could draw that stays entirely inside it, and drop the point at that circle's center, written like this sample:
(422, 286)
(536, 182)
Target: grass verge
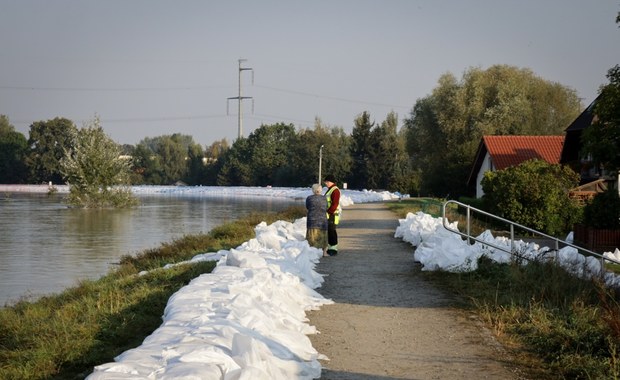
(63, 336)
(555, 325)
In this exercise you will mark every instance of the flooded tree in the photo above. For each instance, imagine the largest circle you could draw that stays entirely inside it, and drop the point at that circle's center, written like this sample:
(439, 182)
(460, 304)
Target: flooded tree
(96, 171)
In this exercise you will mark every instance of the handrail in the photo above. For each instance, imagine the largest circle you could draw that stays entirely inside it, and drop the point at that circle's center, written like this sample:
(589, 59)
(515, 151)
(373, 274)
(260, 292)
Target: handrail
(512, 224)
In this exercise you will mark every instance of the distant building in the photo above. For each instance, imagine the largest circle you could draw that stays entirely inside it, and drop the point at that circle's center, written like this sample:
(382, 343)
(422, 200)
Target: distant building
(593, 178)
(500, 152)
(571, 153)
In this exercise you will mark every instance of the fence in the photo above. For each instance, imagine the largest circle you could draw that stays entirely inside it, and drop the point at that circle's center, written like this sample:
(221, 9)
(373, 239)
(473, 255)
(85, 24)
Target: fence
(467, 234)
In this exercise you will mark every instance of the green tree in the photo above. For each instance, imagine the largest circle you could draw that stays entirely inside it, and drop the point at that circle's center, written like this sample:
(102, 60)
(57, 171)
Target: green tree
(214, 154)
(146, 166)
(13, 148)
(127, 149)
(361, 151)
(305, 153)
(534, 194)
(172, 152)
(445, 127)
(401, 177)
(601, 140)
(384, 152)
(337, 155)
(163, 160)
(47, 143)
(428, 160)
(196, 165)
(214, 151)
(96, 172)
(304, 161)
(603, 211)
(235, 167)
(269, 148)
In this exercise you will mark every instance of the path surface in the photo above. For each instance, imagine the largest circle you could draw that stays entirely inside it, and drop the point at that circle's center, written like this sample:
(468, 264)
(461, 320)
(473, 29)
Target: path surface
(387, 321)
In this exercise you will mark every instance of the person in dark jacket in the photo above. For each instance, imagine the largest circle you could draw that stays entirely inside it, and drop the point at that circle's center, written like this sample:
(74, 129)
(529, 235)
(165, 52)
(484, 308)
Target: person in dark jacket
(316, 221)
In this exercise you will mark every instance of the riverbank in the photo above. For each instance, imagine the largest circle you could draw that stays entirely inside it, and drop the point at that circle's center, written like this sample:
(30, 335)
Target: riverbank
(348, 197)
(66, 335)
(46, 246)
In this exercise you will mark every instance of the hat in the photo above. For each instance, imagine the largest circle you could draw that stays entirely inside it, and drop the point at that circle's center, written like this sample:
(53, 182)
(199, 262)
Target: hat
(330, 178)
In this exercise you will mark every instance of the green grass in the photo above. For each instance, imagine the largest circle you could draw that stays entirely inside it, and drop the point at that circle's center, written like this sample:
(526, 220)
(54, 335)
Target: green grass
(430, 206)
(63, 336)
(555, 325)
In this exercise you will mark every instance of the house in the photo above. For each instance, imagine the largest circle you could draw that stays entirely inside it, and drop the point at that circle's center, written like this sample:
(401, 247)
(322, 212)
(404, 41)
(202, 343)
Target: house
(593, 177)
(572, 143)
(501, 152)
(572, 147)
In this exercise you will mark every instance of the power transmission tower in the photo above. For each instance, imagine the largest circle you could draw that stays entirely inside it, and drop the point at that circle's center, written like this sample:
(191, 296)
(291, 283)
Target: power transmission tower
(241, 98)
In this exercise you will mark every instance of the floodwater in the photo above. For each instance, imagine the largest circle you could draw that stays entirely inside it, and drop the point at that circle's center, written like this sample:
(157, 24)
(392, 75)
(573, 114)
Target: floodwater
(46, 247)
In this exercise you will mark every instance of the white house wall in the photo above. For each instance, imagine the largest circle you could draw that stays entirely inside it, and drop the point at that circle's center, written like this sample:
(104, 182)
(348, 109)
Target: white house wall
(487, 164)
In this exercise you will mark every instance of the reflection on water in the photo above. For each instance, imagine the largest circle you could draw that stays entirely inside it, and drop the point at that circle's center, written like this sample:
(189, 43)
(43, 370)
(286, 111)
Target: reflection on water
(46, 246)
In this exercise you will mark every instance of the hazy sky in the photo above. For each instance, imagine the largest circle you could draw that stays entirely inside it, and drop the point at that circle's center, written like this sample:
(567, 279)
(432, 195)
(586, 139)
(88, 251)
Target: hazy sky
(149, 67)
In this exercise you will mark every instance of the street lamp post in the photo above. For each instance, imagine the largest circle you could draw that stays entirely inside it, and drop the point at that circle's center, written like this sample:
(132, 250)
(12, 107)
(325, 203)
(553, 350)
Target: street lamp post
(320, 162)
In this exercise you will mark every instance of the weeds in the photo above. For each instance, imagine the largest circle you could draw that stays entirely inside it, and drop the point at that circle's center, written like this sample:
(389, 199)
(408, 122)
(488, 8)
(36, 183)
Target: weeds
(551, 315)
(556, 325)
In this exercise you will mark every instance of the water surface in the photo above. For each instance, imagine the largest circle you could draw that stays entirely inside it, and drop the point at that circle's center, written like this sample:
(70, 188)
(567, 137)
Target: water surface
(46, 246)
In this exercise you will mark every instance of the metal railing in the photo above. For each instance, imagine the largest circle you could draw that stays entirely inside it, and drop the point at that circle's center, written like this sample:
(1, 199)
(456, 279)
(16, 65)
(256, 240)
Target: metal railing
(512, 250)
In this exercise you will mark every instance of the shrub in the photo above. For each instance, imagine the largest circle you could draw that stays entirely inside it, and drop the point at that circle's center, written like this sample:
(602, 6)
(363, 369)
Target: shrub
(603, 211)
(96, 172)
(534, 194)
(473, 202)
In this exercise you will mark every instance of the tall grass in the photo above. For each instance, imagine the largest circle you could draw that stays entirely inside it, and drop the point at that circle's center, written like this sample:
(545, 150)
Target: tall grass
(63, 336)
(556, 325)
(560, 321)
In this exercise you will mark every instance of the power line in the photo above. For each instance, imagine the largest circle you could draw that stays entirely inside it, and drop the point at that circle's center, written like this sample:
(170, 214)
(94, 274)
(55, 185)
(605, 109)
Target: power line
(274, 117)
(143, 119)
(163, 118)
(113, 89)
(191, 88)
(330, 97)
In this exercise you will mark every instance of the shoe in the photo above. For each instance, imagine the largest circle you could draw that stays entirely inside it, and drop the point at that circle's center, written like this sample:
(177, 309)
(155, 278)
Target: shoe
(332, 252)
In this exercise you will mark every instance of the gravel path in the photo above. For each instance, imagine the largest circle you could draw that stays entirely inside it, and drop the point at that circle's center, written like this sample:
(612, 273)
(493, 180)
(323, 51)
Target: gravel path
(387, 321)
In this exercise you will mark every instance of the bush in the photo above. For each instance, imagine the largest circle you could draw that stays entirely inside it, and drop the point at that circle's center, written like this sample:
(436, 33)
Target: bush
(534, 194)
(473, 202)
(96, 172)
(603, 211)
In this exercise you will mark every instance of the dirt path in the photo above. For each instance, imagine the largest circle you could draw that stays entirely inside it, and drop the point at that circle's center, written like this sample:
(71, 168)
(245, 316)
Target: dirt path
(387, 321)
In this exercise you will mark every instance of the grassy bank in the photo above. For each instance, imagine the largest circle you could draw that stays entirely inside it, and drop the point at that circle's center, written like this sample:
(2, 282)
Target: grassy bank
(63, 336)
(556, 325)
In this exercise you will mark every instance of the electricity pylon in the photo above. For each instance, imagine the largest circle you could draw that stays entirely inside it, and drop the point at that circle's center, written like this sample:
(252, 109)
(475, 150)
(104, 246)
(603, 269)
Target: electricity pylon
(241, 98)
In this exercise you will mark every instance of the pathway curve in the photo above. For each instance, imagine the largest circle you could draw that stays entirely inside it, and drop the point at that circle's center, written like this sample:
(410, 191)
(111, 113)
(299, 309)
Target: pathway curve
(387, 321)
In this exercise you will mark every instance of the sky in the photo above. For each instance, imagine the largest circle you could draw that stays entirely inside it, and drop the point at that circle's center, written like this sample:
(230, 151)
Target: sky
(148, 68)
(246, 319)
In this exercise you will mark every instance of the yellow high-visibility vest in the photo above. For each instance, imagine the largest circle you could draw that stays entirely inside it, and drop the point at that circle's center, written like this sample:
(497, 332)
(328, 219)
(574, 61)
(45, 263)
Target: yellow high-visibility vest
(329, 204)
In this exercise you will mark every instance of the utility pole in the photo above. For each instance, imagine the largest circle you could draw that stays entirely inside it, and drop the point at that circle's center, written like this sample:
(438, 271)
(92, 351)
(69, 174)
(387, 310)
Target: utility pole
(241, 98)
(320, 164)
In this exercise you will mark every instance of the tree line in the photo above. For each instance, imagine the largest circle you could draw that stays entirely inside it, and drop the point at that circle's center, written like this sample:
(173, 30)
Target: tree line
(430, 155)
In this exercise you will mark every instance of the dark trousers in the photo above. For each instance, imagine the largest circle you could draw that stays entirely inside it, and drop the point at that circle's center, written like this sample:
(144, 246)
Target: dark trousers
(332, 234)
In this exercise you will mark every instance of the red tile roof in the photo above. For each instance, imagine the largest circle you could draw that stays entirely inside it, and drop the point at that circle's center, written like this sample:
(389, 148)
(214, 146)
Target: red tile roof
(506, 151)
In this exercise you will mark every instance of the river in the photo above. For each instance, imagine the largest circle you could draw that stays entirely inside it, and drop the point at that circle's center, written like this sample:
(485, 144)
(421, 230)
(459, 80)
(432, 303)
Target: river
(46, 246)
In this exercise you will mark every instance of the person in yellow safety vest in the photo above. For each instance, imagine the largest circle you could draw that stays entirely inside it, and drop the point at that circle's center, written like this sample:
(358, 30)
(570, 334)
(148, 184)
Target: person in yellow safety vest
(333, 214)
